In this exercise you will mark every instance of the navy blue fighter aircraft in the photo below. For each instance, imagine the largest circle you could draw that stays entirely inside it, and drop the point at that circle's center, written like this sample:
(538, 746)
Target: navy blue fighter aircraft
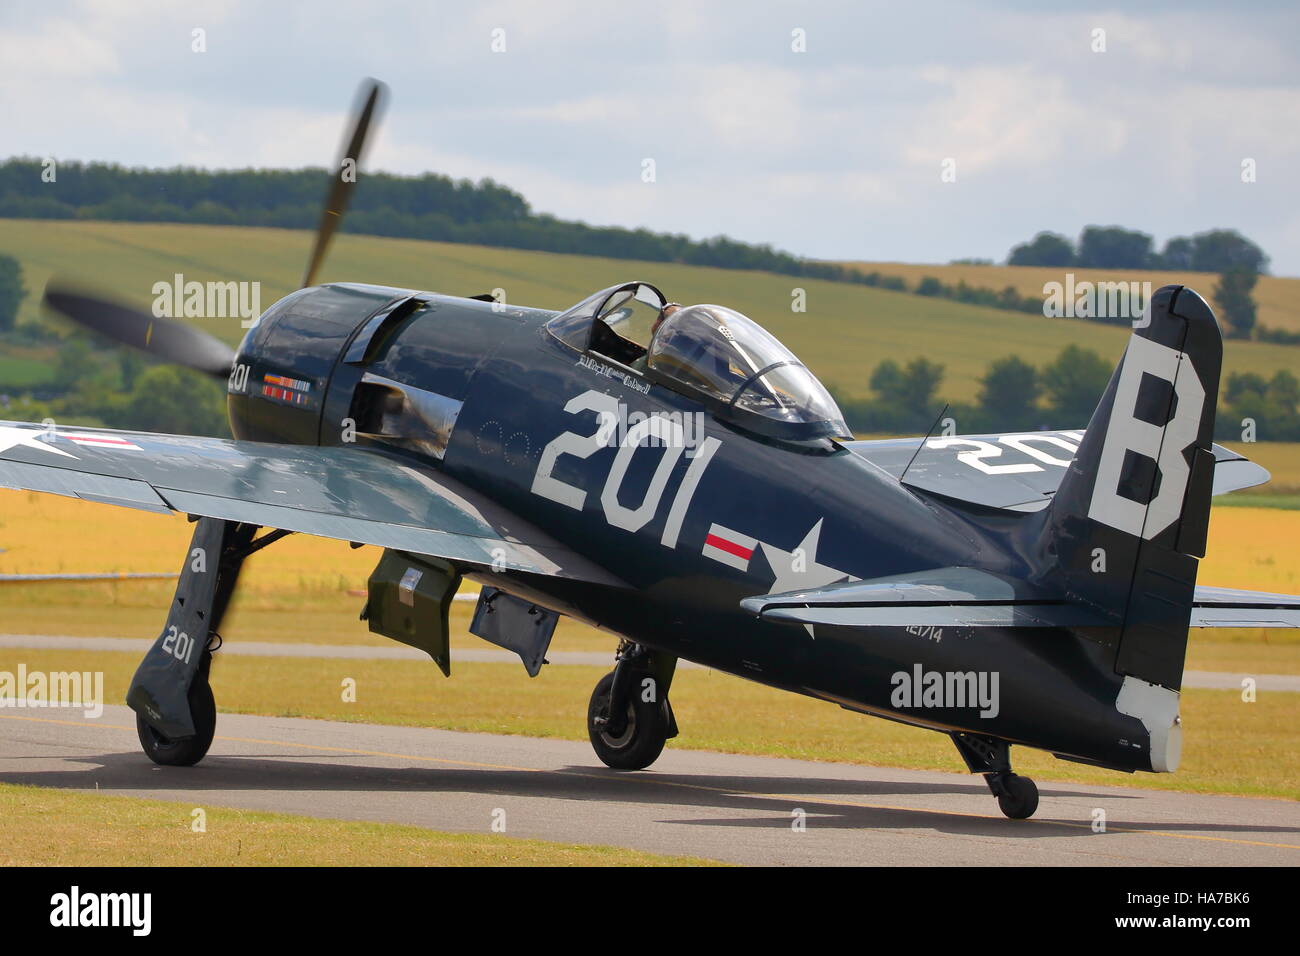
(677, 477)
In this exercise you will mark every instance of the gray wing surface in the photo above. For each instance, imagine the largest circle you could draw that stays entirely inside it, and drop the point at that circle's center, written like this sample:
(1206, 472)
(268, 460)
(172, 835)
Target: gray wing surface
(348, 493)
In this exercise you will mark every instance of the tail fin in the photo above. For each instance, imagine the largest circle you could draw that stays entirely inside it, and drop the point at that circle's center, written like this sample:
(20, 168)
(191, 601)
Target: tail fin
(1127, 526)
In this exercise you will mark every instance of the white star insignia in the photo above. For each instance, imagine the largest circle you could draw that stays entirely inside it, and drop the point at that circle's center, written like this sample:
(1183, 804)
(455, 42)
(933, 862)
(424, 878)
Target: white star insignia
(11, 437)
(798, 570)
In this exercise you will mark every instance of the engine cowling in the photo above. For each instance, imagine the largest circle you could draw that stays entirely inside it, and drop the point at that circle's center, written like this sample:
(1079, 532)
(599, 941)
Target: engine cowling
(279, 384)
(346, 363)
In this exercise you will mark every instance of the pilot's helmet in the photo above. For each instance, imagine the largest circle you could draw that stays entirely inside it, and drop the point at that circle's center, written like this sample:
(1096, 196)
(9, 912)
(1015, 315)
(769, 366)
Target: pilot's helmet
(713, 336)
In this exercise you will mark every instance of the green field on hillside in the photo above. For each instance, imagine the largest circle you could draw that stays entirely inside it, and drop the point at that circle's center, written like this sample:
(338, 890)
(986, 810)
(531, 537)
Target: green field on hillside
(845, 332)
(26, 371)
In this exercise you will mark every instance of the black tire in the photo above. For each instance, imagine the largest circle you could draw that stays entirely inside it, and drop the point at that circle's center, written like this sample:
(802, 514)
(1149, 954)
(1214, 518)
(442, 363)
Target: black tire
(184, 751)
(641, 742)
(1019, 798)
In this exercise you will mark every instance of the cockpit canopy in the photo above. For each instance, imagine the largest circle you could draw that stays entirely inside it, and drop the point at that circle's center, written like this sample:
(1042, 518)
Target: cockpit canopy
(623, 312)
(709, 352)
(730, 358)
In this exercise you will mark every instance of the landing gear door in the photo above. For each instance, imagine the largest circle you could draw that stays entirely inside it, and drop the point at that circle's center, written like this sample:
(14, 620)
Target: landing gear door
(410, 600)
(516, 625)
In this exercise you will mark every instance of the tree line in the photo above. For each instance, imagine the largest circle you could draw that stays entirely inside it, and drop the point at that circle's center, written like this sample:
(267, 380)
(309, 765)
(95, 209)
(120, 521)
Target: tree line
(115, 387)
(428, 206)
(1114, 247)
(1016, 396)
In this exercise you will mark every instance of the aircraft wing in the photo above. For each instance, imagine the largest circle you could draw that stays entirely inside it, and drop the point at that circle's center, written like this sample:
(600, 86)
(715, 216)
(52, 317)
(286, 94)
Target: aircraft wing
(1018, 471)
(348, 493)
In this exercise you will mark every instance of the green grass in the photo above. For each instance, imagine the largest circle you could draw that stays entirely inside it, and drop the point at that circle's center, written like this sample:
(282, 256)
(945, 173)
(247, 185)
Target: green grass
(22, 372)
(45, 827)
(845, 332)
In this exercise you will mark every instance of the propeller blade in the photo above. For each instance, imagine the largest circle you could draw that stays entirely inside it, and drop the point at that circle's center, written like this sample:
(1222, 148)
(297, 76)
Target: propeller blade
(162, 338)
(341, 184)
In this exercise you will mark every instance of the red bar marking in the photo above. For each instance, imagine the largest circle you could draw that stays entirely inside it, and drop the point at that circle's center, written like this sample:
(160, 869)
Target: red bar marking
(722, 544)
(86, 440)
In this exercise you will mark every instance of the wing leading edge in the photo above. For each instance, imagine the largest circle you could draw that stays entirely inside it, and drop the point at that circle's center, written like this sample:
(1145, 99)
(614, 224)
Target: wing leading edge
(347, 493)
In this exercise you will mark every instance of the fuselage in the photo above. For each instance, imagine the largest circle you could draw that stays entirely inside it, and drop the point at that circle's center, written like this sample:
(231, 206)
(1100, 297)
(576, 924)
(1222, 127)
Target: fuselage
(692, 513)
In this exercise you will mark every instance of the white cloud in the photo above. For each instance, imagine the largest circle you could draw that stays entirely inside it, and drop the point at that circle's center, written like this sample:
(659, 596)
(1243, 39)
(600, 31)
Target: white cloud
(832, 153)
(56, 50)
(1005, 119)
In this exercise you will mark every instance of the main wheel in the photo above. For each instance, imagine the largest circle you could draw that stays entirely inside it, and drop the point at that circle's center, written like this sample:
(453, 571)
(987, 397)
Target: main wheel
(184, 751)
(642, 739)
(1019, 797)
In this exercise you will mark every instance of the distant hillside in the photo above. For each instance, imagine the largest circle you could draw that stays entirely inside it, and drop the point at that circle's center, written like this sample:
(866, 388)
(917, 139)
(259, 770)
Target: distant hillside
(438, 208)
(847, 329)
(1278, 298)
(428, 206)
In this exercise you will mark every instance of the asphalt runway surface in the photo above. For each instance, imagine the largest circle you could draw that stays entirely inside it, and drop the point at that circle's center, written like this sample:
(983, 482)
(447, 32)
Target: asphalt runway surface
(720, 806)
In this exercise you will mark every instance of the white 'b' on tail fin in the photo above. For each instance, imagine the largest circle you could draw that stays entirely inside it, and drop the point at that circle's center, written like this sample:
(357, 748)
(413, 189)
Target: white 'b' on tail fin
(1127, 434)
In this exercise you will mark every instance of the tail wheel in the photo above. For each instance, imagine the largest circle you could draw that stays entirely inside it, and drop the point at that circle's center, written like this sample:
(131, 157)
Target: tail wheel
(641, 739)
(1018, 798)
(184, 751)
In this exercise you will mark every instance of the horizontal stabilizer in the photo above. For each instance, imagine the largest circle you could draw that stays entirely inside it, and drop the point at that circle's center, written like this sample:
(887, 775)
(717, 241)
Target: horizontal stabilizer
(952, 615)
(966, 597)
(1225, 607)
(957, 597)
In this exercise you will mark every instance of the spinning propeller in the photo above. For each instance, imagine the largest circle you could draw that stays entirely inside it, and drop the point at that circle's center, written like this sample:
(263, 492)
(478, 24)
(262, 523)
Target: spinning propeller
(185, 345)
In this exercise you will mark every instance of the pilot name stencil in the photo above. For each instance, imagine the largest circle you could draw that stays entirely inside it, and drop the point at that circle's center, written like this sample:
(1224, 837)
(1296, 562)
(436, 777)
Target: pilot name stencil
(609, 371)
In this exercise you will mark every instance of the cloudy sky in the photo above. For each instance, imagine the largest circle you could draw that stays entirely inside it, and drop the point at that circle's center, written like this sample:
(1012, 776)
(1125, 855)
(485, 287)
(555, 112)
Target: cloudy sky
(835, 152)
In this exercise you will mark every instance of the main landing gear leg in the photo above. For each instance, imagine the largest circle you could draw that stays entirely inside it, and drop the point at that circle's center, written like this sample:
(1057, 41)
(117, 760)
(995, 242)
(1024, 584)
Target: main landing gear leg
(1017, 795)
(629, 718)
(176, 715)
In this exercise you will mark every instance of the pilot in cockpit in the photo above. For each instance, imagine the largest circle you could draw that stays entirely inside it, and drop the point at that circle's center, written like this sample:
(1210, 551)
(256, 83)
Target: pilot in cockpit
(639, 365)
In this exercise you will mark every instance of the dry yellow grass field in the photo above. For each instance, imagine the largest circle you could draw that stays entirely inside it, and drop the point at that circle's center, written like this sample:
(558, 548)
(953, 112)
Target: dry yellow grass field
(1282, 459)
(299, 590)
(50, 534)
